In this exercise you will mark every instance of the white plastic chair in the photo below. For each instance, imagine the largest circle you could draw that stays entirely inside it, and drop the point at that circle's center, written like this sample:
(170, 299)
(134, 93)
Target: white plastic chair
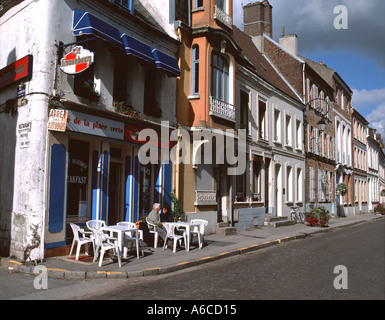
(170, 228)
(156, 235)
(80, 240)
(130, 237)
(105, 243)
(199, 232)
(94, 225)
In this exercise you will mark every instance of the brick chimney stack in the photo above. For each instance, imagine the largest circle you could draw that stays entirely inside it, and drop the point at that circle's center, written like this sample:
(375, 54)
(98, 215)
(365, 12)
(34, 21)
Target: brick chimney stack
(258, 19)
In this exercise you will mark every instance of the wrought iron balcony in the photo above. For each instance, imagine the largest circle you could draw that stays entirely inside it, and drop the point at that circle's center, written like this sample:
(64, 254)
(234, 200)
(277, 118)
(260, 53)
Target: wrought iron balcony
(222, 109)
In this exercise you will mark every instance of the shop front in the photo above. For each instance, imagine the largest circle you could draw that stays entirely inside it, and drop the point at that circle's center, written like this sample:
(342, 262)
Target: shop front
(95, 174)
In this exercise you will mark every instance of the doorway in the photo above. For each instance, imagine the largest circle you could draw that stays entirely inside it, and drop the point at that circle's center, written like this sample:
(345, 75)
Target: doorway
(267, 184)
(279, 190)
(115, 195)
(222, 194)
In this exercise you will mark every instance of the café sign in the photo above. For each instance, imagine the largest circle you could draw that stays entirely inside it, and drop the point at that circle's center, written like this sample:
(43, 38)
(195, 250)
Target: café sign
(77, 61)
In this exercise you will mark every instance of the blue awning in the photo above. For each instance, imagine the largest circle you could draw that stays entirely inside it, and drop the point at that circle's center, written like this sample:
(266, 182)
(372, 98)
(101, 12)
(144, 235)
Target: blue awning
(86, 23)
(166, 62)
(137, 48)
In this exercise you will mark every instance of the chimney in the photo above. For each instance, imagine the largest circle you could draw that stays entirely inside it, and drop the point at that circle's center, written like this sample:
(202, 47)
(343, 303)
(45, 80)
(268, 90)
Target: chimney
(290, 43)
(258, 19)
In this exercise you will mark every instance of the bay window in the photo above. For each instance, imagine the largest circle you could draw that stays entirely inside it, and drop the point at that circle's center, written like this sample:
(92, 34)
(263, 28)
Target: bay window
(219, 77)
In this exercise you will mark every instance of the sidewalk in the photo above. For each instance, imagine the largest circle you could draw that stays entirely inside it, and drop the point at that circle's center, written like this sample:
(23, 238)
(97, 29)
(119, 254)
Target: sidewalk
(158, 261)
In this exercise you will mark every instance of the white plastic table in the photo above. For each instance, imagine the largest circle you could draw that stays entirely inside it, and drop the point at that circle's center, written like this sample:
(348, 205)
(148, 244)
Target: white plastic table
(187, 226)
(120, 230)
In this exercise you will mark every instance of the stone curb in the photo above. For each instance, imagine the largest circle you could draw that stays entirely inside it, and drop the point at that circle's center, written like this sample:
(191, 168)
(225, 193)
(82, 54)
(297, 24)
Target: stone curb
(17, 266)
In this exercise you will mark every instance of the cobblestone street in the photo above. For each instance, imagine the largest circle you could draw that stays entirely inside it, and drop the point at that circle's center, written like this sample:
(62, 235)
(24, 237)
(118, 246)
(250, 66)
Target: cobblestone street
(301, 269)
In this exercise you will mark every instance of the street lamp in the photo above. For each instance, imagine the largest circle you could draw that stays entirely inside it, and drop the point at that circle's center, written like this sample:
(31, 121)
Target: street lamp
(321, 125)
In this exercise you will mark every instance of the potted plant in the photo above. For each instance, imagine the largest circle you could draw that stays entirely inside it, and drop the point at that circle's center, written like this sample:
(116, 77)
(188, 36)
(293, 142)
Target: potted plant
(342, 188)
(90, 92)
(152, 109)
(379, 209)
(126, 109)
(175, 211)
(317, 217)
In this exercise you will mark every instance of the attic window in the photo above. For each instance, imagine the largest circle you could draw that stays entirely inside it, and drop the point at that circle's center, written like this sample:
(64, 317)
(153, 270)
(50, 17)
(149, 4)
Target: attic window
(127, 4)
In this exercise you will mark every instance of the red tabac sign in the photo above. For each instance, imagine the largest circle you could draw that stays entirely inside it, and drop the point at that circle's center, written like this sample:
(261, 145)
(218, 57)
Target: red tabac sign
(77, 61)
(20, 70)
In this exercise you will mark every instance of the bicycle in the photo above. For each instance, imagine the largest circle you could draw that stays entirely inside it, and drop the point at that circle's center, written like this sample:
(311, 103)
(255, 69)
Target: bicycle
(297, 215)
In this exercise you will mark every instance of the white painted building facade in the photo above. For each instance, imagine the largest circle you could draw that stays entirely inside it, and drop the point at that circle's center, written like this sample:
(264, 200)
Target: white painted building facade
(90, 171)
(372, 151)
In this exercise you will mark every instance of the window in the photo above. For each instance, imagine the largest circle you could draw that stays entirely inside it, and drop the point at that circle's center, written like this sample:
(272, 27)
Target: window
(244, 120)
(342, 101)
(204, 177)
(312, 184)
(277, 125)
(308, 90)
(120, 78)
(150, 93)
(77, 178)
(328, 108)
(331, 182)
(221, 4)
(299, 134)
(84, 83)
(322, 102)
(198, 3)
(262, 120)
(128, 4)
(145, 189)
(195, 71)
(289, 184)
(315, 96)
(241, 187)
(313, 140)
(299, 185)
(257, 178)
(219, 77)
(321, 185)
(288, 131)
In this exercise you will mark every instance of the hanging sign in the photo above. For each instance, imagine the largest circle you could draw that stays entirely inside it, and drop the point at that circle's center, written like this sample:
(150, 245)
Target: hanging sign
(57, 120)
(20, 70)
(77, 61)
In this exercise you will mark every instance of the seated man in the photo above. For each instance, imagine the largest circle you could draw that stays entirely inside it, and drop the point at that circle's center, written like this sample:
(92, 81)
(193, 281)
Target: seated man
(154, 218)
(165, 215)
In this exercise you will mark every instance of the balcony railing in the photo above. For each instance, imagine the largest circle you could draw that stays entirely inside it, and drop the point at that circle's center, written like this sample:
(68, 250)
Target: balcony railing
(223, 17)
(222, 109)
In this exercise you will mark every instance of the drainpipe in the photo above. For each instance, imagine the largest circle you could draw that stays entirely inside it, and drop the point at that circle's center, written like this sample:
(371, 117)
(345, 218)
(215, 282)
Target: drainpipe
(304, 132)
(231, 202)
